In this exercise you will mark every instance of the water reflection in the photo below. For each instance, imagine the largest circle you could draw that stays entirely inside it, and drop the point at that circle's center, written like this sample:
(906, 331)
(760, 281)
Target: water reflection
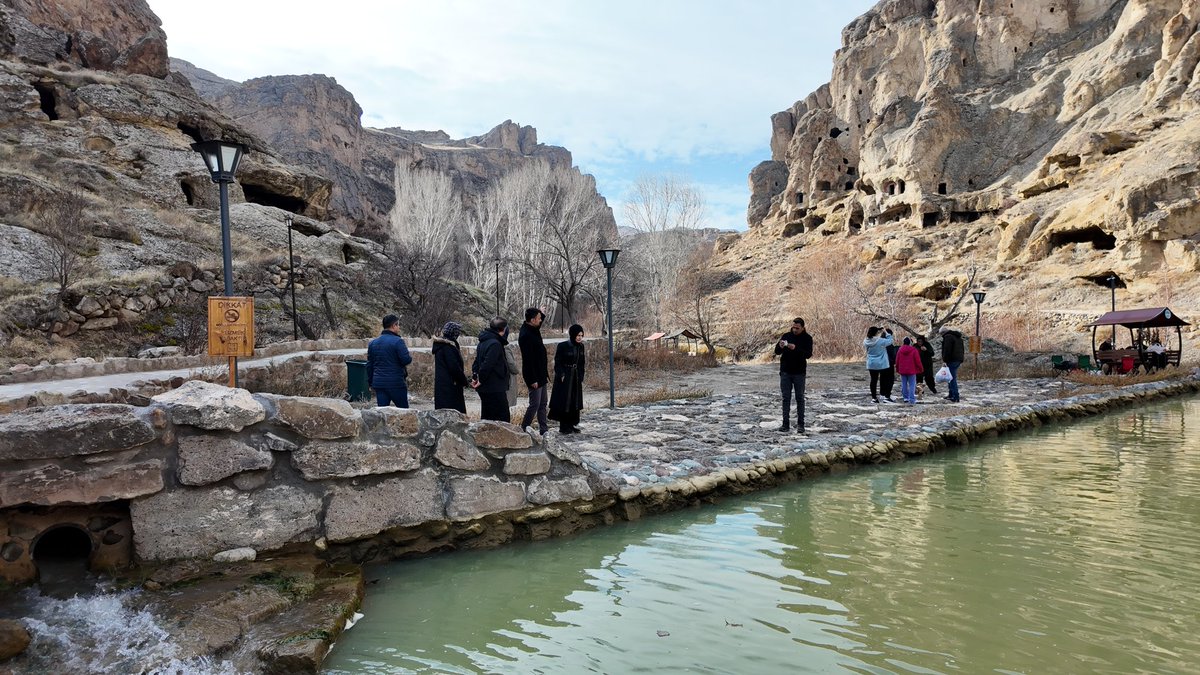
(1066, 549)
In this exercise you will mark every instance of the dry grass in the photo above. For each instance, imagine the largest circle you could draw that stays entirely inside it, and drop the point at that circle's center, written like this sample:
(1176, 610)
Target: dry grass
(663, 393)
(34, 349)
(294, 377)
(638, 365)
(1028, 332)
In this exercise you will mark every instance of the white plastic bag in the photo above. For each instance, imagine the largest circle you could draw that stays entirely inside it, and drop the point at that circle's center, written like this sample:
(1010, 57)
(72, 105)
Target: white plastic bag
(943, 375)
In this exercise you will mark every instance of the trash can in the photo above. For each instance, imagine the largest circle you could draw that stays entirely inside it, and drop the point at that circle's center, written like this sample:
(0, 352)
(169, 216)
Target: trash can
(356, 381)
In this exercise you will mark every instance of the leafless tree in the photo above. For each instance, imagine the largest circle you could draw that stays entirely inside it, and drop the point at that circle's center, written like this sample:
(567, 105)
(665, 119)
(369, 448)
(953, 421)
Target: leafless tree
(662, 208)
(427, 210)
(895, 308)
(68, 239)
(693, 303)
(423, 296)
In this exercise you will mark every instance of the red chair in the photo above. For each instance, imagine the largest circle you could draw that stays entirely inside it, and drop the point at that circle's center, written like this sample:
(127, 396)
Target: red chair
(1126, 365)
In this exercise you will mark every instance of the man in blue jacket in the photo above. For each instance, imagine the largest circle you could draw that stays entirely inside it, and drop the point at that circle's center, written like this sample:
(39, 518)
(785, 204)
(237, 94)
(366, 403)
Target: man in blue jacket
(387, 358)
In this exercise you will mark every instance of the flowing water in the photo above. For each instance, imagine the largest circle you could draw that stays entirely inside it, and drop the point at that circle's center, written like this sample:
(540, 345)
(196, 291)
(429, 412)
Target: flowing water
(1069, 549)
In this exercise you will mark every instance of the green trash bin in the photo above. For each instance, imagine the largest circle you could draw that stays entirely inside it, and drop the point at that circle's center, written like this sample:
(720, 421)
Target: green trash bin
(356, 380)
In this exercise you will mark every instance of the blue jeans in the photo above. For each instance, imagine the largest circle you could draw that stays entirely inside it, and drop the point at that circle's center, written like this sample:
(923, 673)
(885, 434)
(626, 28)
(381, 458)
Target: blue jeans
(385, 396)
(908, 388)
(953, 366)
(787, 383)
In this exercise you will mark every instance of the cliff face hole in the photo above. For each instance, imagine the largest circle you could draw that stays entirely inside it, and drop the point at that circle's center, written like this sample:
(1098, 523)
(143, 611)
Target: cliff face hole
(835, 132)
(63, 546)
(900, 186)
(929, 219)
(793, 228)
(257, 194)
(190, 131)
(941, 188)
(1102, 279)
(849, 185)
(799, 197)
(187, 193)
(823, 185)
(938, 292)
(856, 220)
(812, 222)
(1098, 238)
(49, 101)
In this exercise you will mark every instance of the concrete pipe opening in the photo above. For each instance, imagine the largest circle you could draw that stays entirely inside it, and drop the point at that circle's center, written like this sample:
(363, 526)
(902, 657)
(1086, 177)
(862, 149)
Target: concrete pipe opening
(62, 553)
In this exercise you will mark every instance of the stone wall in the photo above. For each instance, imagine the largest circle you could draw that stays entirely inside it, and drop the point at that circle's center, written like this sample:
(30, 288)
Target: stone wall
(206, 469)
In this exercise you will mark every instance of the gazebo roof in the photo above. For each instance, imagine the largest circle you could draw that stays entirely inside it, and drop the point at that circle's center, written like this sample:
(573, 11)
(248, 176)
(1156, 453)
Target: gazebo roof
(654, 336)
(682, 332)
(1152, 317)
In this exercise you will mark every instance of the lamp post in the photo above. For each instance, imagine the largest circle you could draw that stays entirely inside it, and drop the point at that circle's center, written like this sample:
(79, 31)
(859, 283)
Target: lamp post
(292, 278)
(1112, 289)
(222, 159)
(497, 261)
(978, 295)
(608, 258)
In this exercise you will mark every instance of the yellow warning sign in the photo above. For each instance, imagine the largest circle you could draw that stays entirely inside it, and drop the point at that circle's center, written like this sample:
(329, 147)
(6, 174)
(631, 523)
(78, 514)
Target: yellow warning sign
(230, 326)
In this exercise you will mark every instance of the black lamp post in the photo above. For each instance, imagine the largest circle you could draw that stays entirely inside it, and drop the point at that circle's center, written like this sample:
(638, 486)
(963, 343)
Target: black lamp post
(979, 296)
(1112, 289)
(608, 258)
(222, 159)
(497, 261)
(292, 278)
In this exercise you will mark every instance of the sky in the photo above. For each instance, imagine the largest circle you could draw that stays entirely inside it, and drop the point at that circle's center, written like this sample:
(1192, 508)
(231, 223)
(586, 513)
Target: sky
(631, 88)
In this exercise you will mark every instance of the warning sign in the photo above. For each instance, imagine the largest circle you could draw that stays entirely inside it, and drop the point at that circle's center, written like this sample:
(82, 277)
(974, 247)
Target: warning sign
(976, 345)
(230, 326)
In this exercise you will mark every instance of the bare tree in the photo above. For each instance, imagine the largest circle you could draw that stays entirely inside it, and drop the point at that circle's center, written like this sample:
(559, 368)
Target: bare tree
(423, 296)
(895, 308)
(68, 239)
(693, 303)
(427, 210)
(662, 208)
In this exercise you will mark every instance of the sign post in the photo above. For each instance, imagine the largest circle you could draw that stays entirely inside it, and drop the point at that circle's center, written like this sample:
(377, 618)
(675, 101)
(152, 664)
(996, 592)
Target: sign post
(231, 330)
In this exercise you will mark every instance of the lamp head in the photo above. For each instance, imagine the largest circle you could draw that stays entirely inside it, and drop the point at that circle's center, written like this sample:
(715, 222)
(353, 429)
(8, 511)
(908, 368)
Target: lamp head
(221, 157)
(608, 257)
(978, 295)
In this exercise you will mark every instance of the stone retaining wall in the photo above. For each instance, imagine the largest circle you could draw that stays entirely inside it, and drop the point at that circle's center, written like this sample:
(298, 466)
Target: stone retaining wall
(205, 469)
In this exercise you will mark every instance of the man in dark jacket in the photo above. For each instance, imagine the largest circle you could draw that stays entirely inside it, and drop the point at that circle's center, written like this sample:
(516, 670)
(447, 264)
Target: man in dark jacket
(534, 368)
(794, 348)
(387, 361)
(952, 354)
(489, 372)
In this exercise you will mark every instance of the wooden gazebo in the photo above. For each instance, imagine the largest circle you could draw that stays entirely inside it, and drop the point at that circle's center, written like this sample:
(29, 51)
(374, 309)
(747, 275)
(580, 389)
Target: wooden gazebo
(1139, 320)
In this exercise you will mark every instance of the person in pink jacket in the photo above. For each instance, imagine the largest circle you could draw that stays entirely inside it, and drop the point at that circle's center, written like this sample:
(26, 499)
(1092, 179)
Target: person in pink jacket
(908, 364)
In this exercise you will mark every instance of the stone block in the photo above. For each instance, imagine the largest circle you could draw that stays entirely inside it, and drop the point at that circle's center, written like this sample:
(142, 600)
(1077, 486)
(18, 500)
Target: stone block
(211, 406)
(552, 443)
(499, 436)
(476, 496)
(320, 460)
(394, 421)
(436, 420)
(70, 430)
(193, 523)
(361, 511)
(208, 459)
(456, 452)
(320, 418)
(546, 491)
(49, 485)
(526, 463)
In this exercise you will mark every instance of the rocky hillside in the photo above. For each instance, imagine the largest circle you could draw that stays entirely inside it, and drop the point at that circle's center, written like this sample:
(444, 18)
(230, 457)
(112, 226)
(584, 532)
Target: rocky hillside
(315, 122)
(1047, 144)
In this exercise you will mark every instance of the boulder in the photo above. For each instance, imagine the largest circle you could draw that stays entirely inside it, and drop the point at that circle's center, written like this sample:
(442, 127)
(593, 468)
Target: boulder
(499, 436)
(13, 639)
(360, 511)
(319, 460)
(526, 463)
(211, 406)
(394, 421)
(208, 459)
(201, 522)
(456, 452)
(70, 430)
(546, 491)
(50, 484)
(243, 554)
(321, 418)
(475, 496)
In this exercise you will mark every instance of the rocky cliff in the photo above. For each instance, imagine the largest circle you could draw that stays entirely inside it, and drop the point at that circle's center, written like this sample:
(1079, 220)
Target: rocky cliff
(1047, 144)
(313, 121)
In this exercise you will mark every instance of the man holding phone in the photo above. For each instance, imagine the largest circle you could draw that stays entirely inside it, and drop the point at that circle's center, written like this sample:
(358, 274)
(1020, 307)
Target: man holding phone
(794, 348)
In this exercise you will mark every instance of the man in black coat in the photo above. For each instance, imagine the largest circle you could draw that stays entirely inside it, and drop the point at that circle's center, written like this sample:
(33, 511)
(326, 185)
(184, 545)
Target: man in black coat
(952, 355)
(534, 368)
(794, 348)
(490, 372)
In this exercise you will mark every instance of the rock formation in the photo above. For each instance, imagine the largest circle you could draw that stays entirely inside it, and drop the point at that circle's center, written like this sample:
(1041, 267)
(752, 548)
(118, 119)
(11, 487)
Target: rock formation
(1048, 143)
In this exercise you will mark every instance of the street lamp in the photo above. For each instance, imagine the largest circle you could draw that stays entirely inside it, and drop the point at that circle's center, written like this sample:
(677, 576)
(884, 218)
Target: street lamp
(497, 261)
(292, 278)
(1112, 289)
(222, 159)
(979, 296)
(608, 258)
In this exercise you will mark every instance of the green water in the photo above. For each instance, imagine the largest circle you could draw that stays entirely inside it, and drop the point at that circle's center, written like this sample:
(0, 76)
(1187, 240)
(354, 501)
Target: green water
(1074, 549)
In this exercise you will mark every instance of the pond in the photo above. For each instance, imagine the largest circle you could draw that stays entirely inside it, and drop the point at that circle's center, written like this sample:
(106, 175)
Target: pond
(1065, 549)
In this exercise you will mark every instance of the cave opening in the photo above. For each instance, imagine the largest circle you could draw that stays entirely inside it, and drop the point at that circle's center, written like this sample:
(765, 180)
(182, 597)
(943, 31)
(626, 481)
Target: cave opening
(188, 194)
(190, 131)
(823, 185)
(941, 188)
(929, 219)
(258, 194)
(48, 100)
(1097, 237)
(835, 132)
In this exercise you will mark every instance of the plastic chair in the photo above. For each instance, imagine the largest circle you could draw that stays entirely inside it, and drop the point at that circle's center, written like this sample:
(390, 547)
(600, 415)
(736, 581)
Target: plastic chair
(1085, 362)
(1057, 359)
(1126, 364)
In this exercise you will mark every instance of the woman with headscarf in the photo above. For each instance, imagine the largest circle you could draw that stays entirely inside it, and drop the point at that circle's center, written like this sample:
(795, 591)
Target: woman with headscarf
(566, 399)
(449, 380)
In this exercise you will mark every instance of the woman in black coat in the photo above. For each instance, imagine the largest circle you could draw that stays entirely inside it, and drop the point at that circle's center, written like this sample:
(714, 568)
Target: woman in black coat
(448, 377)
(566, 399)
